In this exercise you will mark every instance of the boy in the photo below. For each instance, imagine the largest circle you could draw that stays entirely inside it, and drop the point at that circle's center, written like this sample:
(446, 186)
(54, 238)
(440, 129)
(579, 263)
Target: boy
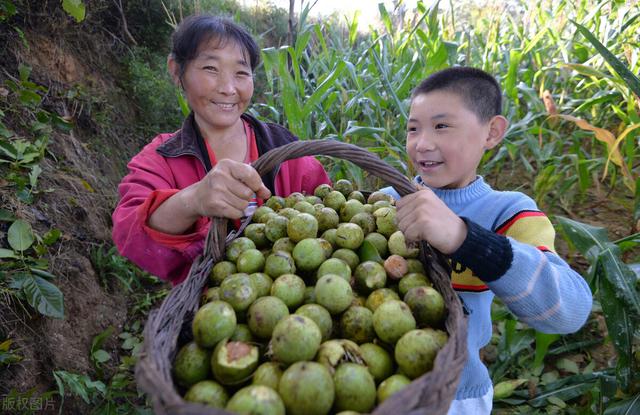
(498, 243)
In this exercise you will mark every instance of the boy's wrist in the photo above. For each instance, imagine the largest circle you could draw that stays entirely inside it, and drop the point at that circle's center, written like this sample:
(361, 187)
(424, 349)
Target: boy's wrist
(486, 253)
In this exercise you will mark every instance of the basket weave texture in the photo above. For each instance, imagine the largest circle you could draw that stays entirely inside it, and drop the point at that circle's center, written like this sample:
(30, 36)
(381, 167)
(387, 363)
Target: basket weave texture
(431, 393)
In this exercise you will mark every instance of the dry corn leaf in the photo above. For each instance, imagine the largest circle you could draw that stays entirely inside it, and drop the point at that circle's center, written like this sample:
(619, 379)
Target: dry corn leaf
(610, 140)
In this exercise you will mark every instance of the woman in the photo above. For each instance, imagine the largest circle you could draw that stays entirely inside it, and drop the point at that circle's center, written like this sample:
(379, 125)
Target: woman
(180, 180)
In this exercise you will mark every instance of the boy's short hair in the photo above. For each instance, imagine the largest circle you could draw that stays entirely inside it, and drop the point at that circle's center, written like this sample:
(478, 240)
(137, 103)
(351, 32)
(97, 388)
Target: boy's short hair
(197, 30)
(479, 90)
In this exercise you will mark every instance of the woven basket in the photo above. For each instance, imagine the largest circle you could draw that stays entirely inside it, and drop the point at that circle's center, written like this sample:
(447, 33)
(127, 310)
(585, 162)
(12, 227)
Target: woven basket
(431, 393)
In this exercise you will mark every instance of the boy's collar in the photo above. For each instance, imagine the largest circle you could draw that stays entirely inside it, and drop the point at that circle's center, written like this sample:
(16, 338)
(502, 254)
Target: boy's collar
(463, 195)
(418, 180)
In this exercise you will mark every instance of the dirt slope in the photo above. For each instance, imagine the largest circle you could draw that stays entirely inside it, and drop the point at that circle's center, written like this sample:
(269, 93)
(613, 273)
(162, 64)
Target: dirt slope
(81, 170)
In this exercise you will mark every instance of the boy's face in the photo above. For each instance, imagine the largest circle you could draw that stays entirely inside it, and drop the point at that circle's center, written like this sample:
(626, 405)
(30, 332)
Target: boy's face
(446, 140)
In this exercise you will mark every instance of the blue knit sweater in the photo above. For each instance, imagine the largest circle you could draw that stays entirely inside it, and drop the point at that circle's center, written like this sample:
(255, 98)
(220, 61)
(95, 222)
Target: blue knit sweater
(508, 252)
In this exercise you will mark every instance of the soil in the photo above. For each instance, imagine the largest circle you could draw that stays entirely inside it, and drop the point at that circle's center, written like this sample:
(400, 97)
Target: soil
(80, 177)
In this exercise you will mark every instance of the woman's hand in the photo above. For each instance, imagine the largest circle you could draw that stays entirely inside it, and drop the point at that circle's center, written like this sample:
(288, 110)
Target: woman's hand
(422, 216)
(227, 189)
(224, 192)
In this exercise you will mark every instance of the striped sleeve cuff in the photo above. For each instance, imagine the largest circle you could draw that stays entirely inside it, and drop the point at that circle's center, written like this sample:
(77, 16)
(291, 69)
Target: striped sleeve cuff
(484, 252)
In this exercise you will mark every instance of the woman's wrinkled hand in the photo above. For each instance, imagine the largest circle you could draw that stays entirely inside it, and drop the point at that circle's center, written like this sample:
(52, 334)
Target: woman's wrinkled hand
(227, 190)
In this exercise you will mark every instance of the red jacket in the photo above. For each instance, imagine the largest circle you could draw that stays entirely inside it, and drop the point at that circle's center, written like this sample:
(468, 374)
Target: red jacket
(172, 162)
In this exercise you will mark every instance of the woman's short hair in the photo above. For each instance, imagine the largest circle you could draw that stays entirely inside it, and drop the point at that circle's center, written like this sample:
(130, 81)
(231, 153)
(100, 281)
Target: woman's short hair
(196, 30)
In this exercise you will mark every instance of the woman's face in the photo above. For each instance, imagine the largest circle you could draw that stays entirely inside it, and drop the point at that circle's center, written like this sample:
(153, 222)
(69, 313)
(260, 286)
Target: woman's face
(218, 85)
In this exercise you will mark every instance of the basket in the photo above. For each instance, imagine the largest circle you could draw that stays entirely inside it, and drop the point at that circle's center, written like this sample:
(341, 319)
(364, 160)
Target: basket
(431, 393)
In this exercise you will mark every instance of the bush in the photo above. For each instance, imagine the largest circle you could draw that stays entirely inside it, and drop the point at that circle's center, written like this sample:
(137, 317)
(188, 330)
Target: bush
(156, 96)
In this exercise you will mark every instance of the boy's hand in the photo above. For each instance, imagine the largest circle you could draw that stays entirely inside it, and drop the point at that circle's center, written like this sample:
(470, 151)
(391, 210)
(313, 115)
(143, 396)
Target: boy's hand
(423, 216)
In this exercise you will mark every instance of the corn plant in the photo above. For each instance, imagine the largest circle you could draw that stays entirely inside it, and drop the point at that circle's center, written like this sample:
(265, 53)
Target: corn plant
(615, 286)
(567, 71)
(353, 89)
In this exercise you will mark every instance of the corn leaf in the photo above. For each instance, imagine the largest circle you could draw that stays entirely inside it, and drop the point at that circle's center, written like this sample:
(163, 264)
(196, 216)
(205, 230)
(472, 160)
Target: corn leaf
(626, 407)
(621, 69)
(322, 89)
(609, 139)
(543, 341)
(566, 388)
(620, 138)
(586, 70)
(593, 242)
(619, 321)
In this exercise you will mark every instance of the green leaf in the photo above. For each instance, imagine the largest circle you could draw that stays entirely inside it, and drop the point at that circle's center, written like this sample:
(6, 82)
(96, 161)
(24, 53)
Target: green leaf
(549, 377)
(515, 57)
(9, 150)
(385, 81)
(357, 130)
(5, 132)
(368, 252)
(619, 324)
(568, 365)
(6, 216)
(44, 297)
(511, 344)
(353, 28)
(532, 44)
(25, 72)
(33, 175)
(7, 10)
(322, 89)
(565, 393)
(622, 279)
(42, 273)
(589, 240)
(385, 17)
(621, 69)
(20, 235)
(75, 8)
(5, 345)
(98, 341)
(18, 280)
(557, 401)
(587, 70)
(61, 123)
(626, 407)
(130, 343)
(543, 341)
(7, 253)
(80, 385)
(29, 97)
(100, 356)
(593, 242)
(25, 196)
(628, 23)
(51, 236)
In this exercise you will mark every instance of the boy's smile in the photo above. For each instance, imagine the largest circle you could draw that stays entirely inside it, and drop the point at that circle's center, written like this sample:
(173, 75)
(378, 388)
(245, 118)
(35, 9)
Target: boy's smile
(446, 140)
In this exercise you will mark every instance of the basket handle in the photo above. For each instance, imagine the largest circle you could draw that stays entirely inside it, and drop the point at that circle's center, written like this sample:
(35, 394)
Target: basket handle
(357, 155)
(365, 159)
